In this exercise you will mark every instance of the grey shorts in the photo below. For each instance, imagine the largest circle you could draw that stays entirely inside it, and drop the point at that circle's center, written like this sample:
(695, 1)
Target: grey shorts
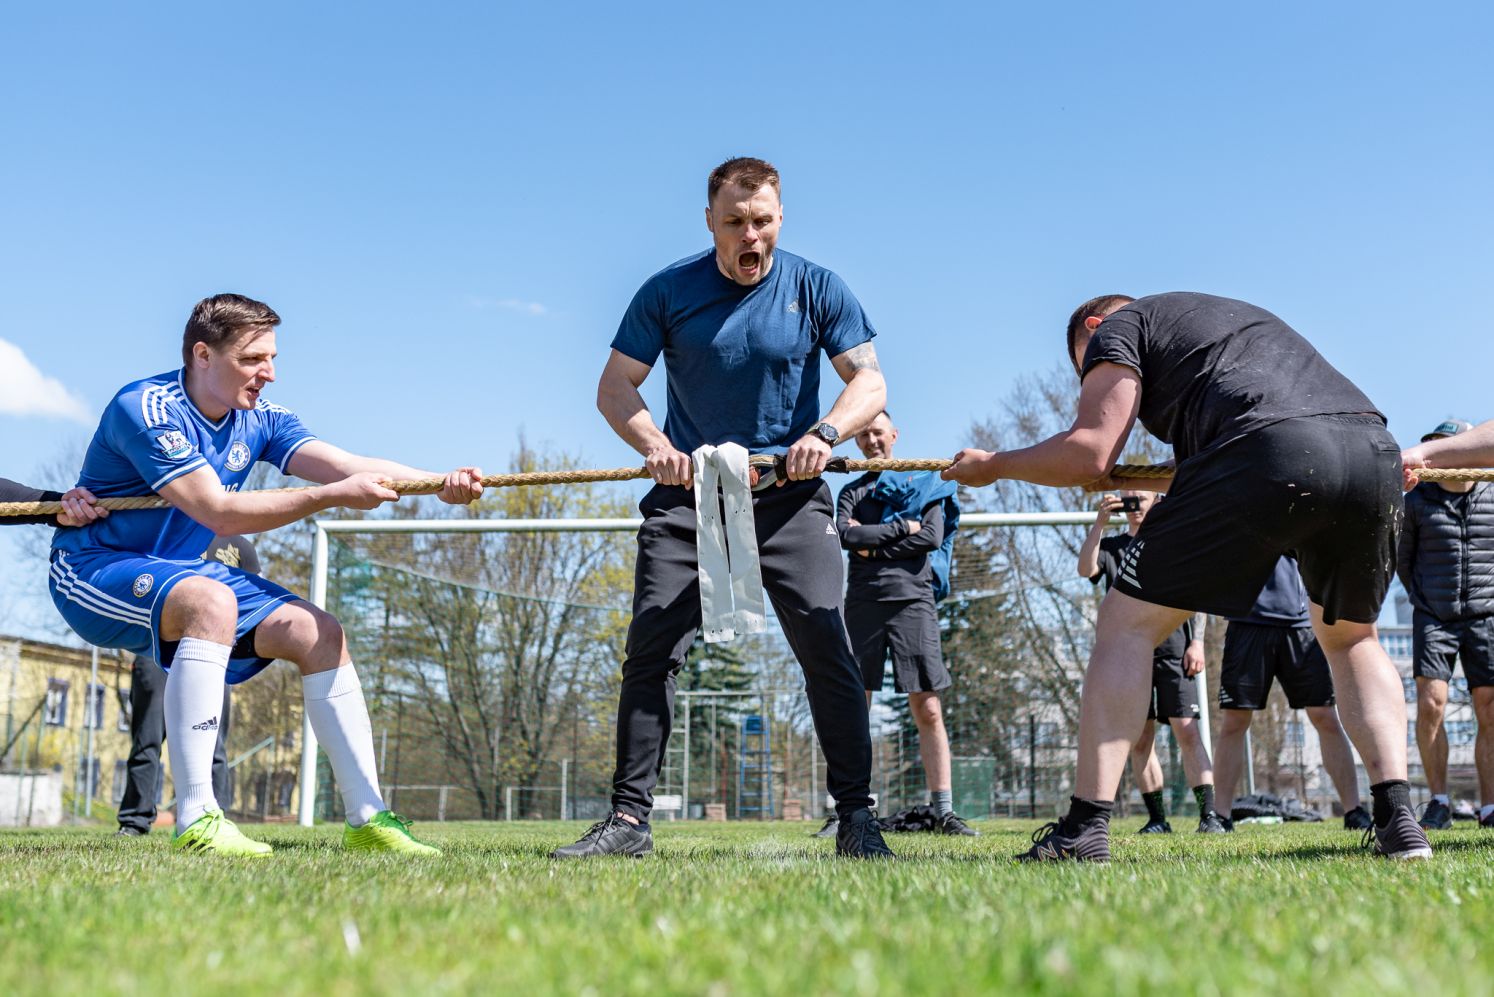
(1437, 647)
(909, 631)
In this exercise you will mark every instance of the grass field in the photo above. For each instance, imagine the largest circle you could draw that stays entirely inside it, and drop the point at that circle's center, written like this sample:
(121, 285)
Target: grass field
(744, 909)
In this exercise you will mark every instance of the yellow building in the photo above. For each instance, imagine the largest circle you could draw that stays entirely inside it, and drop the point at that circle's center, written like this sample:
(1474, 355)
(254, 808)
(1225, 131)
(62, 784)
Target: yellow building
(50, 705)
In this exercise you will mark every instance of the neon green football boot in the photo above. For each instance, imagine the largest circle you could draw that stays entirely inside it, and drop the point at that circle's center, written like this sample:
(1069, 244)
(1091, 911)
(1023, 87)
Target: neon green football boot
(387, 831)
(213, 832)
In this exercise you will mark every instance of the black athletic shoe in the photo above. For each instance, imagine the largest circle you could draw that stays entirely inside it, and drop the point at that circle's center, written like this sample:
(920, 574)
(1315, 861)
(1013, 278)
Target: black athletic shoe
(1402, 838)
(952, 823)
(1436, 817)
(1486, 821)
(1357, 819)
(126, 831)
(860, 837)
(832, 825)
(1155, 827)
(1053, 842)
(613, 836)
(1212, 823)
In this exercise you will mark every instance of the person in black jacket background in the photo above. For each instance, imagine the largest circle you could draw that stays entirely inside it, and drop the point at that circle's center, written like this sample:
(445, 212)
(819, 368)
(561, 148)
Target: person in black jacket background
(1445, 560)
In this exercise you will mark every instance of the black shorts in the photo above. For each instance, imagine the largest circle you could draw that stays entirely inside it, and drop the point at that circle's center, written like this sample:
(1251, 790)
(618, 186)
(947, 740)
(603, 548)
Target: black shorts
(1256, 653)
(910, 631)
(1174, 694)
(1326, 489)
(1436, 645)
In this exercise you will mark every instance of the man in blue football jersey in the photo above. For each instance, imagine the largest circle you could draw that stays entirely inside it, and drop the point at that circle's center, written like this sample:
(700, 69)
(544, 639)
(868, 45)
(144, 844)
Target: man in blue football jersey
(136, 580)
(741, 328)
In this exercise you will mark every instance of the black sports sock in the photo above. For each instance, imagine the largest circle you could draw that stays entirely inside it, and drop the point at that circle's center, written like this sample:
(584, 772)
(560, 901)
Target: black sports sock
(1081, 812)
(1205, 796)
(1388, 795)
(1155, 814)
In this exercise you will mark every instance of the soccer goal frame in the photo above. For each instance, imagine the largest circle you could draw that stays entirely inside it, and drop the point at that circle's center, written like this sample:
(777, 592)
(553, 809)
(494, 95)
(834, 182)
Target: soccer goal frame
(320, 564)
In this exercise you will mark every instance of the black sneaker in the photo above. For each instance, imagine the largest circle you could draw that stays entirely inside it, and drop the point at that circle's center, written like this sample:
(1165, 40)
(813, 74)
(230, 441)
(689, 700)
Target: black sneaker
(1436, 817)
(859, 836)
(1357, 819)
(952, 823)
(613, 836)
(1401, 838)
(1487, 821)
(832, 825)
(1212, 823)
(1054, 842)
(1155, 827)
(127, 831)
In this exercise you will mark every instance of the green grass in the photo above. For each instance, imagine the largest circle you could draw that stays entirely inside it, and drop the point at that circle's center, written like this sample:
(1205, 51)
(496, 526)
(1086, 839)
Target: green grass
(744, 909)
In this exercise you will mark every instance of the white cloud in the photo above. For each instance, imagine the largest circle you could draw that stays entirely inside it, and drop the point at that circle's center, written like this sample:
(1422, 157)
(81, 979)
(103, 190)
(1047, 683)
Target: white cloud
(511, 305)
(25, 390)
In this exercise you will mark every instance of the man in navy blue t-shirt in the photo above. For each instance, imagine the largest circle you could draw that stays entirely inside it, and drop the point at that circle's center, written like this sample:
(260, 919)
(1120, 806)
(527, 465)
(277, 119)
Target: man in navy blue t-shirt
(741, 328)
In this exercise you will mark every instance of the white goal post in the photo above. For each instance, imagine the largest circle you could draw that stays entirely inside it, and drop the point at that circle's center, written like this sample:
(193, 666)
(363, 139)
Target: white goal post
(320, 561)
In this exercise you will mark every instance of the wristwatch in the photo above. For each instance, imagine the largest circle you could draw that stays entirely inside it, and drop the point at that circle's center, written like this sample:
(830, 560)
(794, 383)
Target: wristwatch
(826, 432)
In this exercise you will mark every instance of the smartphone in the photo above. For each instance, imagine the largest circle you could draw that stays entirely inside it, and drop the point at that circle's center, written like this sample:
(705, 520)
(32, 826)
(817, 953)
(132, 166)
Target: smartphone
(1130, 503)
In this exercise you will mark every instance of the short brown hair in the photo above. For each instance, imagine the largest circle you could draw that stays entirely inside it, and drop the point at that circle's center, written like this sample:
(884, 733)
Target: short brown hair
(1094, 308)
(221, 318)
(754, 174)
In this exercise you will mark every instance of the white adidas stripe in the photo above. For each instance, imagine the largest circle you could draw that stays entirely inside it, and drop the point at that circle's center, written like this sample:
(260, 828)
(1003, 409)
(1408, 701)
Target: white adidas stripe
(177, 472)
(64, 571)
(70, 591)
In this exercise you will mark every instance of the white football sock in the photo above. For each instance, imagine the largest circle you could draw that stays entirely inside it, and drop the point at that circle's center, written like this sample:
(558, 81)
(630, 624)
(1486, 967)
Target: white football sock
(1440, 798)
(194, 698)
(339, 716)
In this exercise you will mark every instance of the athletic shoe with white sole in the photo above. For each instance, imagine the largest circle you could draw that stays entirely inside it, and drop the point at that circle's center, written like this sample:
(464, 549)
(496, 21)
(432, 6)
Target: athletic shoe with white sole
(860, 837)
(954, 824)
(1155, 827)
(831, 826)
(1212, 823)
(1401, 838)
(1056, 842)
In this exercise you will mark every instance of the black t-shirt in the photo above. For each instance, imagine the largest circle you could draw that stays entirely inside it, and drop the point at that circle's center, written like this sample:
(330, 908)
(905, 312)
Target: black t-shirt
(1213, 369)
(1283, 601)
(1112, 548)
(11, 491)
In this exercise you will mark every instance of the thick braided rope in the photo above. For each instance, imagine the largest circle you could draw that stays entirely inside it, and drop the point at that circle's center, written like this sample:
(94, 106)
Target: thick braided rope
(430, 486)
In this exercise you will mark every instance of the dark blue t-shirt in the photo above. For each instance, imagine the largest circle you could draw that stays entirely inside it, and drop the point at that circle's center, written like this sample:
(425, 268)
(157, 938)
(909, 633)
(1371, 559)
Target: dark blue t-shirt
(1283, 602)
(743, 363)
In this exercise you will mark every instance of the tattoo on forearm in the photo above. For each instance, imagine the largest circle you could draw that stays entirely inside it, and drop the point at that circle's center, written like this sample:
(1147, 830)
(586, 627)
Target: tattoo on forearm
(863, 357)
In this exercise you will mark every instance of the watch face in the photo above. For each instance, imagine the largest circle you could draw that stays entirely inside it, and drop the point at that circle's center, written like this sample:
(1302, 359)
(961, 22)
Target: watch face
(827, 432)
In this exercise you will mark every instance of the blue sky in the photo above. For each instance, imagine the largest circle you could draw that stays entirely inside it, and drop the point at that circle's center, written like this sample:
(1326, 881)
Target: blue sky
(450, 207)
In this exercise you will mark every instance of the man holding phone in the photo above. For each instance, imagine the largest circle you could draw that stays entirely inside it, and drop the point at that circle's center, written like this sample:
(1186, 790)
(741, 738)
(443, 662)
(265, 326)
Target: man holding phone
(1175, 661)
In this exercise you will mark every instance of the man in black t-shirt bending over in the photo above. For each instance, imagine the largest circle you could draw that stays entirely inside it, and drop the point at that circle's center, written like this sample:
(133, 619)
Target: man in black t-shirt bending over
(1174, 698)
(1276, 452)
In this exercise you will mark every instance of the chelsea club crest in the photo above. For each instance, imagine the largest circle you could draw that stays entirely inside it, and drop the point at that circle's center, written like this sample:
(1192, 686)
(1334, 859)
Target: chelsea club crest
(238, 457)
(142, 585)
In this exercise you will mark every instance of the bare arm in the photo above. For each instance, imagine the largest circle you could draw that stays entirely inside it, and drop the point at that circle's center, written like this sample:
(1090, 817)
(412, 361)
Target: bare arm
(1193, 655)
(1474, 448)
(323, 463)
(625, 411)
(1084, 453)
(864, 395)
(201, 495)
(1089, 551)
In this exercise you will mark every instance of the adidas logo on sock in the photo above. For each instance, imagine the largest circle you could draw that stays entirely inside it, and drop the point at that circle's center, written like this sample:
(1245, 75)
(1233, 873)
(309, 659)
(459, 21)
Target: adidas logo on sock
(207, 725)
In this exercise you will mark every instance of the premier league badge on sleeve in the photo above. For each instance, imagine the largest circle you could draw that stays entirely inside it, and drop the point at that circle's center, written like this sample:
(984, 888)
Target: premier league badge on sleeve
(174, 445)
(238, 457)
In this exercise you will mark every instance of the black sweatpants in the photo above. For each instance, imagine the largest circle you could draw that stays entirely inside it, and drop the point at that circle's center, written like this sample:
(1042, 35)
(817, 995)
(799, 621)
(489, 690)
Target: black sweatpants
(803, 578)
(142, 789)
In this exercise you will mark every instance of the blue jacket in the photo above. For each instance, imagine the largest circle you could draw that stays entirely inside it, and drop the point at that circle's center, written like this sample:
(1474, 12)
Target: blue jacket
(905, 494)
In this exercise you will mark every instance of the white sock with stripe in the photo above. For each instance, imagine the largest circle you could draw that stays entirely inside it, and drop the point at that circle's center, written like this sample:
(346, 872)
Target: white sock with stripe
(339, 716)
(194, 698)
